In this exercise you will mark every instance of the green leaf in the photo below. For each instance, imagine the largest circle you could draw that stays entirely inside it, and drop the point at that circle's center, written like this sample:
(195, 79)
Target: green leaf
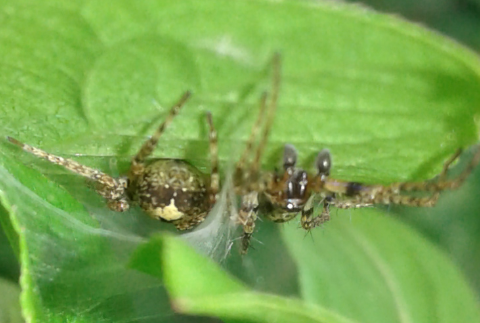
(371, 268)
(390, 99)
(73, 269)
(9, 247)
(9, 302)
(198, 286)
(186, 273)
(365, 269)
(370, 84)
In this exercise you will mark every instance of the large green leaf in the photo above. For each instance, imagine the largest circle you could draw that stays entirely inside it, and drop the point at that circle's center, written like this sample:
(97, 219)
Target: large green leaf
(197, 286)
(373, 269)
(365, 269)
(369, 82)
(391, 100)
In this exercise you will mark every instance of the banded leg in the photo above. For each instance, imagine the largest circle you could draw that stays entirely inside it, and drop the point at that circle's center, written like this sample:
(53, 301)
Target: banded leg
(436, 187)
(113, 190)
(428, 201)
(392, 194)
(387, 200)
(69, 164)
(429, 187)
(247, 217)
(150, 144)
(348, 204)
(213, 147)
(449, 163)
(272, 106)
(248, 179)
(240, 167)
(307, 220)
(457, 182)
(441, 183)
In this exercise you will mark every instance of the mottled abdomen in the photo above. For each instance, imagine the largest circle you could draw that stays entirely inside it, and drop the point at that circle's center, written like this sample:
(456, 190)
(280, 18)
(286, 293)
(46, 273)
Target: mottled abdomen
(174, 191)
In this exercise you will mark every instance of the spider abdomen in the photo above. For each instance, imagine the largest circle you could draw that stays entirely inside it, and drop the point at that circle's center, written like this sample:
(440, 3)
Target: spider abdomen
(174, 191)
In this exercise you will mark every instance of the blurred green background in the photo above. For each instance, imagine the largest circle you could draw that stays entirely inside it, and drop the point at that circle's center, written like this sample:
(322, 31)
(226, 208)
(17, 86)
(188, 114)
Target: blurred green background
(454, 225)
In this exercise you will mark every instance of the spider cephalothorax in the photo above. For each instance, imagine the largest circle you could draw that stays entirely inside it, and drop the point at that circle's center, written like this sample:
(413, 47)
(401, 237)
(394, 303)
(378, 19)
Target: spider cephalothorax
(287, 193)
(167, 189)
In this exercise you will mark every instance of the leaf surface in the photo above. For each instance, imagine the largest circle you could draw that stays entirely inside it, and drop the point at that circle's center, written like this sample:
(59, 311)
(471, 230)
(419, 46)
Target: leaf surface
(91, 80)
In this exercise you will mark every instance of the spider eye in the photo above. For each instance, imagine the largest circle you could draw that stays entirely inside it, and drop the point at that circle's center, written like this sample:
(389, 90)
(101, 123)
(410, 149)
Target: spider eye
(289, 157)
(324, 162)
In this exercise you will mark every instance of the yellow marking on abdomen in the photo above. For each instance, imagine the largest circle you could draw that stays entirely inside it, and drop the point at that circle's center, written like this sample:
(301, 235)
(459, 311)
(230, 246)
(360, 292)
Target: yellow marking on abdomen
(169, 212)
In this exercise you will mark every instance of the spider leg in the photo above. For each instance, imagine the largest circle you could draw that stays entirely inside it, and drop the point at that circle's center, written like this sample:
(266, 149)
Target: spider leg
(307, 220)
(240, 166)
(428, 201)
(393, 196)
(248, 182)
(272, 106)
(436, 186)
(69, 164)
(241, 174)
(113, 190)
(449, 163)
(385, 197)
(351, 203)
(149, 145)
(359, 195)
(443, 184)
(213, 146)
(247, 216)
(307, 212)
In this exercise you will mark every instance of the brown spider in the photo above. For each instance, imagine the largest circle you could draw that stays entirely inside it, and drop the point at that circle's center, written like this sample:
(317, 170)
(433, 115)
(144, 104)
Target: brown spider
(280, 197)
(167, 189)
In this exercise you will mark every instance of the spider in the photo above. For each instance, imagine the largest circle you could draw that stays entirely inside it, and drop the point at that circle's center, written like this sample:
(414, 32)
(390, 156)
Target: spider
(171, 190)
(281, 196)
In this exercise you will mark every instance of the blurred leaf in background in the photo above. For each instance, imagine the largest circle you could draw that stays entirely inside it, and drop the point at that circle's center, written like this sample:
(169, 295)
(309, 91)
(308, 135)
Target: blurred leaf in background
(459, 19)
(455, 223)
